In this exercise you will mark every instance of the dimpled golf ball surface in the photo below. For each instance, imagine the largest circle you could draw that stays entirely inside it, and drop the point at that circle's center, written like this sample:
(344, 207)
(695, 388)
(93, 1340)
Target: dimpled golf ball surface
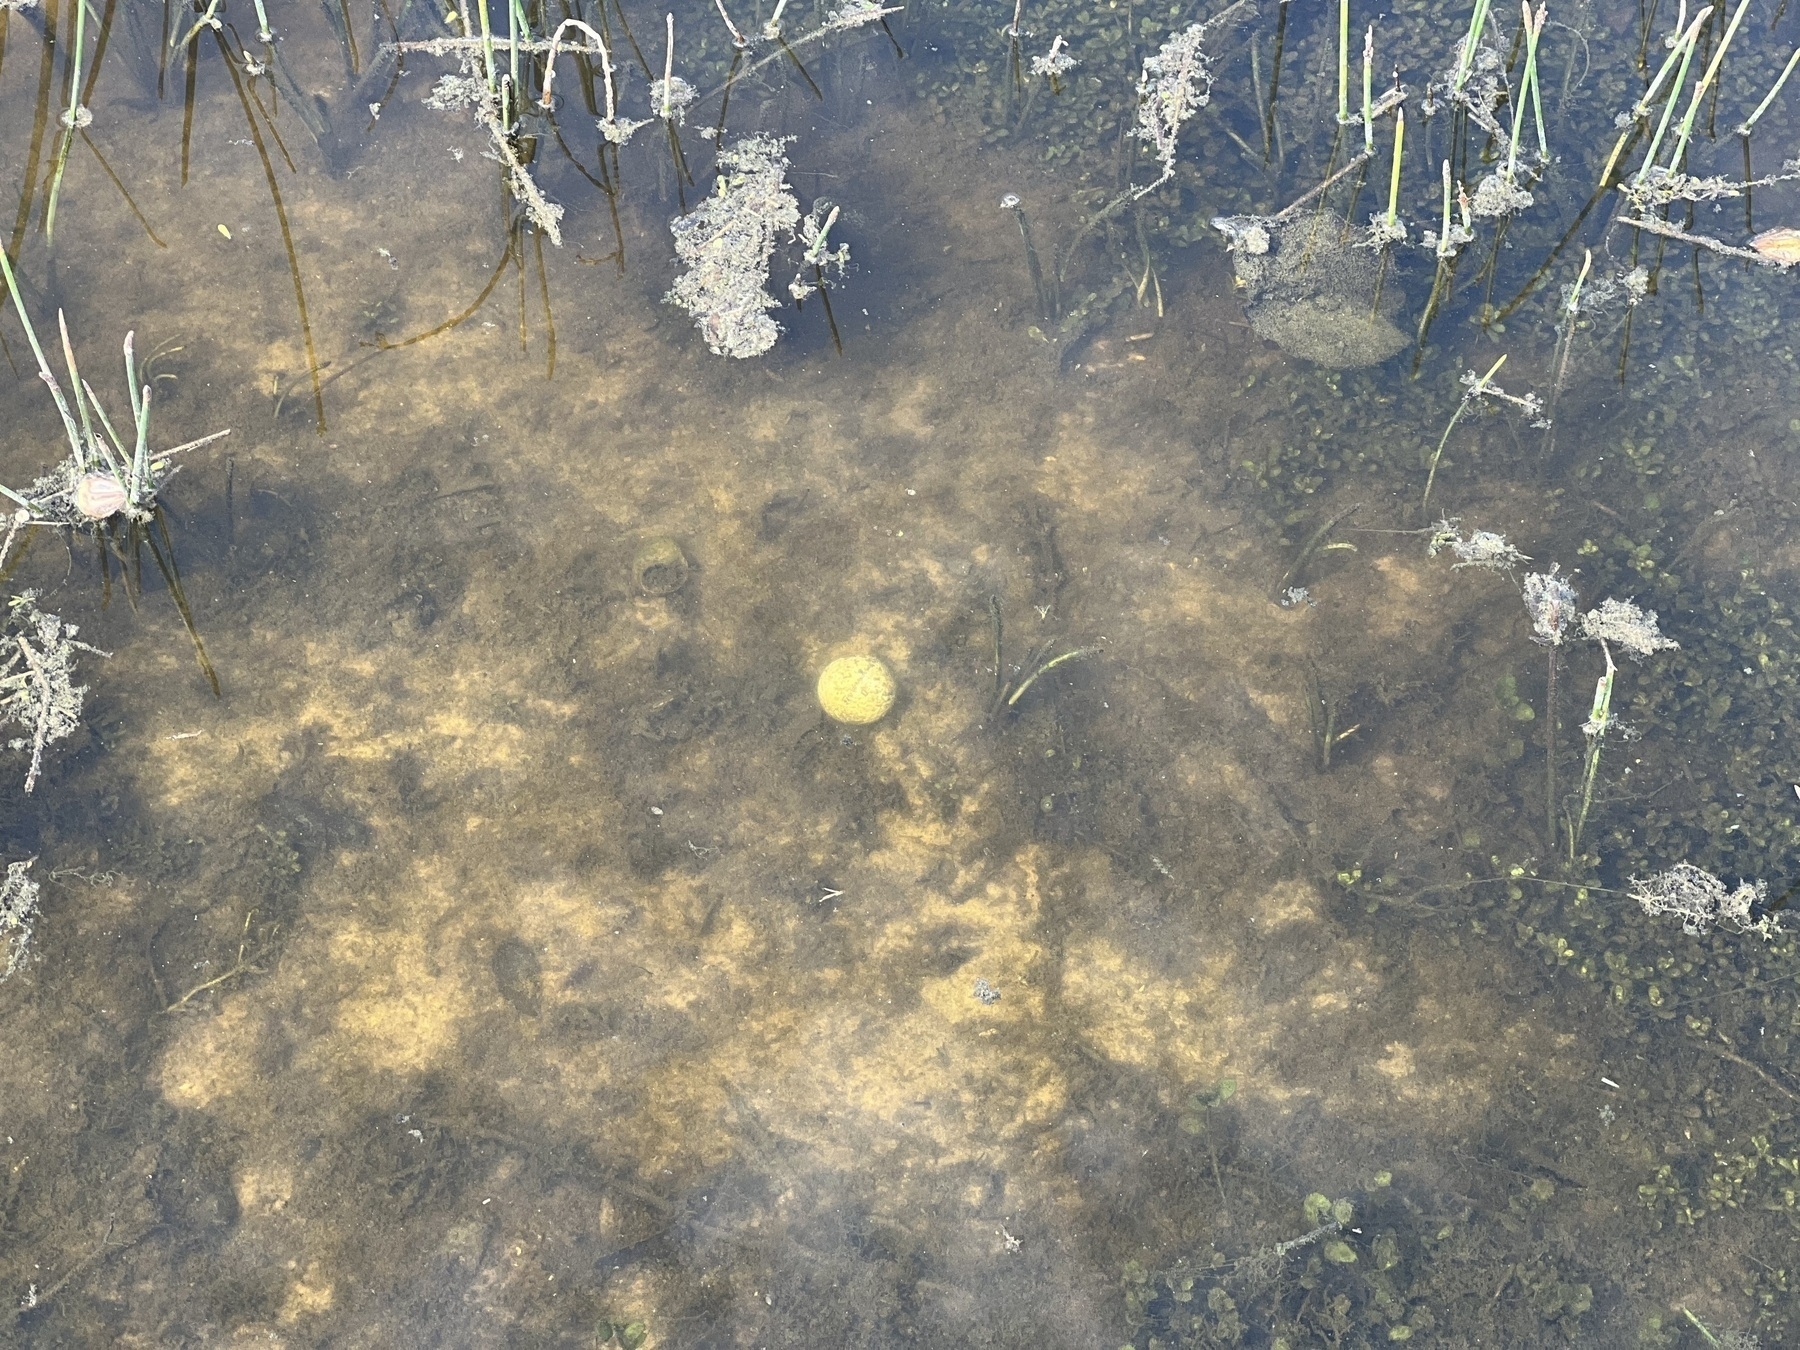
(856, 690)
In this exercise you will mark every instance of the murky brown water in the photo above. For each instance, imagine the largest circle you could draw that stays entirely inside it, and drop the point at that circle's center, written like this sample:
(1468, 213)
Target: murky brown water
(512, 957)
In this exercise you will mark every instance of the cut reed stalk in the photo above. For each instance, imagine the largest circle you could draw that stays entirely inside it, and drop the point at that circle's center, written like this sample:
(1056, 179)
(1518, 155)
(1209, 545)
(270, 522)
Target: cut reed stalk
(1394, 173)
(1444, 244)
(1343, 115)
(1368, 117)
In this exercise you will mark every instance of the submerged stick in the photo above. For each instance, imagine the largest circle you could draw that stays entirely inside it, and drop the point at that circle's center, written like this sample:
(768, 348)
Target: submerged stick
(1705, 241)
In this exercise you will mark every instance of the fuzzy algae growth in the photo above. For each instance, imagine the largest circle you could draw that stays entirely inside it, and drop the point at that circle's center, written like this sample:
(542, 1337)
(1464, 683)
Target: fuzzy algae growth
(856, 690)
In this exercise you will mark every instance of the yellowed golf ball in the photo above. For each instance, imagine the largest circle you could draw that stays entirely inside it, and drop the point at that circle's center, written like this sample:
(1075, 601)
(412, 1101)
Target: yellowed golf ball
(856, 690)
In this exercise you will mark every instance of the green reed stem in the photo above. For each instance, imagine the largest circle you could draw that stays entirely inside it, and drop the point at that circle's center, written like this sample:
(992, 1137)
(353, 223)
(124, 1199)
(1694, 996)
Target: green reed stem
(1688, 39)
(1565, 343)
(1641, 108)
(1525, 83)
(1712, 71)
(37, 350)
(1769, 97)
(71, 121)
(487, 45)
(1533, 33)
(75, 387)
(512, 39)
(1466, 61)
(264, 34)
(1595, 730)
(1475, 391)
(1550, 747)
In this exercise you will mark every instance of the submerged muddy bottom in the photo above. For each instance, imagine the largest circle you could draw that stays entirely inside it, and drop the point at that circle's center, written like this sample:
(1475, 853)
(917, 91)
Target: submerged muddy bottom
(516, 956)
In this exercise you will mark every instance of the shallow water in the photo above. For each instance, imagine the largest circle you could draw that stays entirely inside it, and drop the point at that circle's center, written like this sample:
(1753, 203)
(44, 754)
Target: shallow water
(510, 956)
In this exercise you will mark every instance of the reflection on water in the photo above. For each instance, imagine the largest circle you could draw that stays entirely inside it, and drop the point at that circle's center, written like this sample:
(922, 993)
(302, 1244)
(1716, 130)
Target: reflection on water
(515, 954)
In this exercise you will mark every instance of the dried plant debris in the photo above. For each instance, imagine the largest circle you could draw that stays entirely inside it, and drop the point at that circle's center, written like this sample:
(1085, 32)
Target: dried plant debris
(727, 243)
(1056, 63)
(853, 14)
(18, 907)
(1550, 601)
(1309, 288)
(37, 685)
(1701, 901)
(1483, 548)
(1662, 187)
(1176, 83)
(1621, 624)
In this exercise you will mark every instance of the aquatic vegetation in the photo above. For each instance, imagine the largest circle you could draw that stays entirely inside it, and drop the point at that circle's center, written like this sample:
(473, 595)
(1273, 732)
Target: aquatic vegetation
(103, 488)
(816, 252)
(469, 90)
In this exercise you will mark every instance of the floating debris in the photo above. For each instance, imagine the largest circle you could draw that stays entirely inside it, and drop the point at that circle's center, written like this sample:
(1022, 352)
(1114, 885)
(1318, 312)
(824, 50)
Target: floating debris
(1700, 900)
(1781, 245)
(1630, 629)
(727, 243)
